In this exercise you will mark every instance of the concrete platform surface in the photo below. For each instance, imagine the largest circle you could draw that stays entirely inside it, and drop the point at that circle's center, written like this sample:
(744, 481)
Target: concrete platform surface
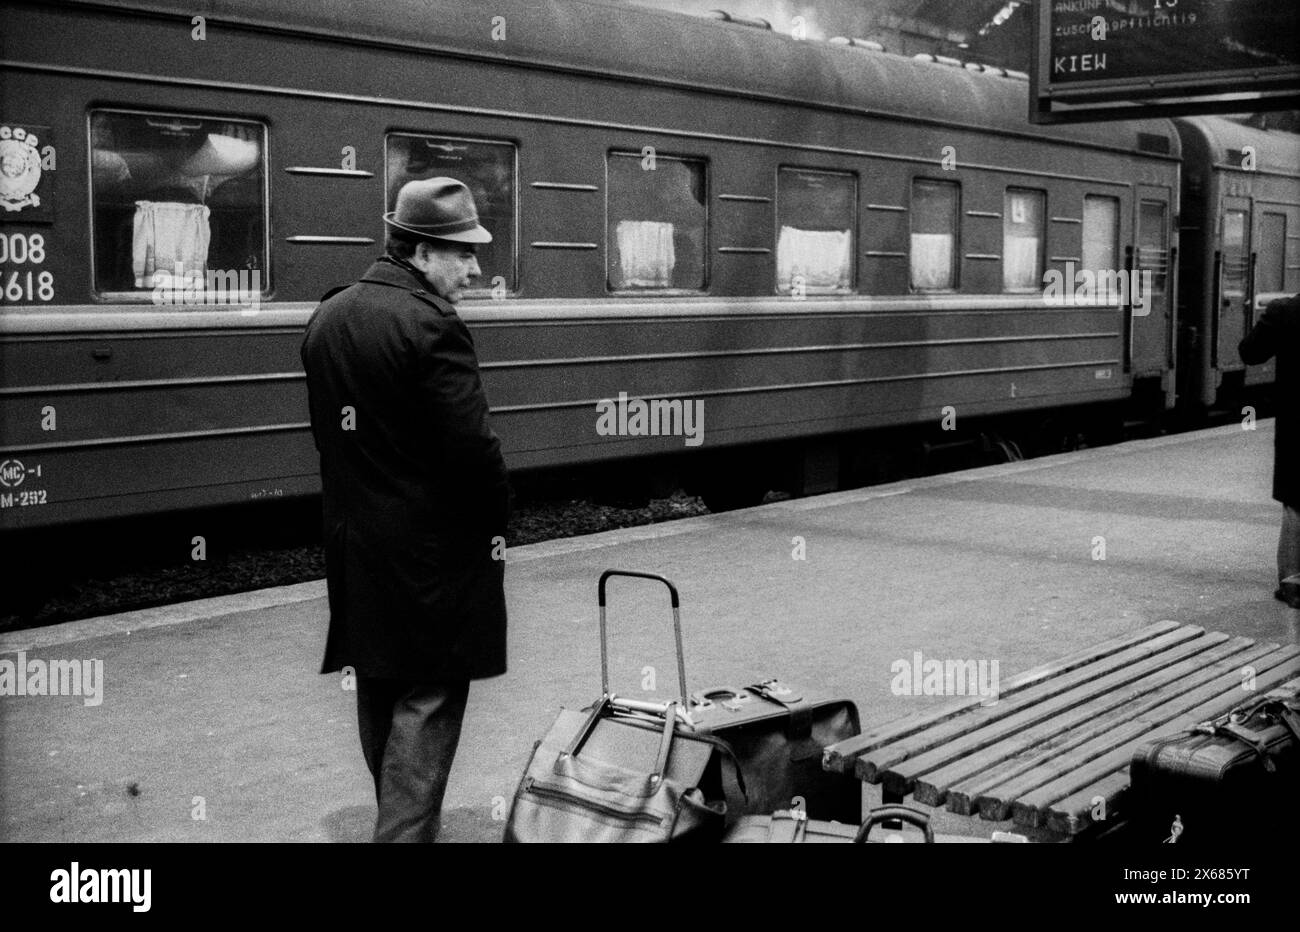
(213, 725)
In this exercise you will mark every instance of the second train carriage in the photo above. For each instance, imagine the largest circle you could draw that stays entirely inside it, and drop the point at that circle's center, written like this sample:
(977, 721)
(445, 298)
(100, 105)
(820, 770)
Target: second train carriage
(808, 240)
(1240, 230)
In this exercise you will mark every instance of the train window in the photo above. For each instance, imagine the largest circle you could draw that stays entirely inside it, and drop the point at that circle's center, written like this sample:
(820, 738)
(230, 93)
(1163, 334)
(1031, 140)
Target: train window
(815, 218)
(1234, 259)
(1234, 229)
(934, 213)
(657, 222)
(1022, 239)
(487, 169)
(1100, 234)
(178, 203)
(1153, 243)
(1272, 253)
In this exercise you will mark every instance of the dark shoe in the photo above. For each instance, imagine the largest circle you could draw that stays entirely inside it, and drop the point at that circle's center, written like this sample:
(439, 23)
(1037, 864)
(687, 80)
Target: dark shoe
(1289, 593)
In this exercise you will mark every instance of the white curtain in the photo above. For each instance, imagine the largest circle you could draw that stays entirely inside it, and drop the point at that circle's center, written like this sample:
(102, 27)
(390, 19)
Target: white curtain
(821, 257)
(1022, 239)
(1020, 262)
(1100, 232)
(932, 260)
(645, 254)
(168, 237)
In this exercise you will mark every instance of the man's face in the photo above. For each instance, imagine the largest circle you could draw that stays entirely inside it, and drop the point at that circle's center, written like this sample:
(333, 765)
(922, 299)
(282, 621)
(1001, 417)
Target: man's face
(449, 269)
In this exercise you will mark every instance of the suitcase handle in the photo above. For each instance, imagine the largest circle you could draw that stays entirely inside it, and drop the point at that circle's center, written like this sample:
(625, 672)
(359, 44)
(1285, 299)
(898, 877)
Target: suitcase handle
(677, 629)
(706, 698)
(903, 813)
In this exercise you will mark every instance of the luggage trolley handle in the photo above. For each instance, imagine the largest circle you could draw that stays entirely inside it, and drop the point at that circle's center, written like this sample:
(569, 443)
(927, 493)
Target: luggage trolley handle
(677, 629)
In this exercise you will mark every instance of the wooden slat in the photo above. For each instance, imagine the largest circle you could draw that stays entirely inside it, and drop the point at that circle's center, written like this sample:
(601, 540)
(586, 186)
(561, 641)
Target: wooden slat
(965, 796)
(1066, 776)
(1110, 792)
(1073, 814)
(990, 741)
(958, 782)
(878, 764)
(840, 757)
(995, 799)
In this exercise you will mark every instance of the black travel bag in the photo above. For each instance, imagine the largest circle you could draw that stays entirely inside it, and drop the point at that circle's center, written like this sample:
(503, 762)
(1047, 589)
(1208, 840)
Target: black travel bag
(1230, 781)
(778, 733)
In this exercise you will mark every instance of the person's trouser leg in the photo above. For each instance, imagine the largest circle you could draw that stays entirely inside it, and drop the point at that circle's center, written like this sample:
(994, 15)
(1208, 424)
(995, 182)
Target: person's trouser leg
(1288, 549)
(416, 760)
(375, 700)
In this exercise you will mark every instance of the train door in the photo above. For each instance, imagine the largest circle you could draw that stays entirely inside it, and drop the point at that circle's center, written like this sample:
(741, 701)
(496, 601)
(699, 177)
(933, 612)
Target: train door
(1272, 224)
(1232, 282)
(1151, 308)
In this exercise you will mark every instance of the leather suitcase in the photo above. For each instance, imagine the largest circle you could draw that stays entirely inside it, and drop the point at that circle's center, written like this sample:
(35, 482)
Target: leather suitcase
(1228, 781)
(795, 827)
(788, 826)
(778, 733)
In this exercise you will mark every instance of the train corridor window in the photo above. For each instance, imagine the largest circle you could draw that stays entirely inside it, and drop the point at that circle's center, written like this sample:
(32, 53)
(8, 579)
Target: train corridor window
(1100, 234)
(178, 203)
(1234, 259)
(1022, 239)
(1271, 275)
(657, 223)
(934, 214)
(487, 168)
(815, 214)
(1153, 242)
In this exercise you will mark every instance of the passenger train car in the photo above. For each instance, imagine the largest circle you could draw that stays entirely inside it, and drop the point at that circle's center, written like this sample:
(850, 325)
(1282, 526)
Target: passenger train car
(1241, 229)
(795, 242)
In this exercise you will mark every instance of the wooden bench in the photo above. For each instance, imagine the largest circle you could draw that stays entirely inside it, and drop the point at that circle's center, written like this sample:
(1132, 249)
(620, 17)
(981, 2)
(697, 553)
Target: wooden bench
(1052, 751)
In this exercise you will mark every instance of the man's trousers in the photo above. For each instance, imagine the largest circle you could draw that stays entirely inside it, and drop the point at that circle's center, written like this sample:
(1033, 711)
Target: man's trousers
(409, 733)
(1288, 554)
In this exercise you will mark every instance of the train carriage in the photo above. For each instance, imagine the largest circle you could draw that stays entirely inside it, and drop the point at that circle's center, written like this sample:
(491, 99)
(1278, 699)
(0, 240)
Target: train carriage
(797, 241)
(1241, 233)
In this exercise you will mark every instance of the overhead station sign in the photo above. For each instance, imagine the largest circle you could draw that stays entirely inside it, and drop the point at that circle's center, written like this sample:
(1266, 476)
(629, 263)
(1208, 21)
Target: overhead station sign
(1121, 59)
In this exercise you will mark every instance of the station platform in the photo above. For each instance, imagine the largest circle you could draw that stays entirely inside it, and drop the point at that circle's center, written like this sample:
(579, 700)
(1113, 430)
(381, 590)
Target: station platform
(214, 725)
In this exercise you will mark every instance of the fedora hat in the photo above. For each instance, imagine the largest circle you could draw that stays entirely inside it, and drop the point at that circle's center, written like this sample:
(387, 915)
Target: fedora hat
(438, 208)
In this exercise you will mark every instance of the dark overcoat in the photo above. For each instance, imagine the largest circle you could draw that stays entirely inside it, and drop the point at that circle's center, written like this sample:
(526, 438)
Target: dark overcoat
(1278, 333)
(415, 491)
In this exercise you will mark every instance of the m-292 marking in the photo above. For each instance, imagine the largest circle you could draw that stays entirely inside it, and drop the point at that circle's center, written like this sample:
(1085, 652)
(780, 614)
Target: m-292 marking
(23, 499)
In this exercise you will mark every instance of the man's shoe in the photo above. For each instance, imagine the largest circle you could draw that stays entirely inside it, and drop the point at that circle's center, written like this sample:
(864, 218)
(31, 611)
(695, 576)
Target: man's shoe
(1289, 593)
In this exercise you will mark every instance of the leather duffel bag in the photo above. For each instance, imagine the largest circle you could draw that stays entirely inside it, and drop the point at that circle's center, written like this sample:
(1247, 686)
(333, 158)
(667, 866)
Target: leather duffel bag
(603, 776)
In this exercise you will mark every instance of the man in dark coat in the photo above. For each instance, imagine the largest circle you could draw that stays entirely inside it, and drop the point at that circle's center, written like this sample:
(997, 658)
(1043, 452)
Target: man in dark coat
(415, 500)
(1278, 332)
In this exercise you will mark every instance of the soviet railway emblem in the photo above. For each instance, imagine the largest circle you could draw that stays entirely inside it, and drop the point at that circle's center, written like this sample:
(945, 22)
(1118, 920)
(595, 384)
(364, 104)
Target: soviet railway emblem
(20, 169)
